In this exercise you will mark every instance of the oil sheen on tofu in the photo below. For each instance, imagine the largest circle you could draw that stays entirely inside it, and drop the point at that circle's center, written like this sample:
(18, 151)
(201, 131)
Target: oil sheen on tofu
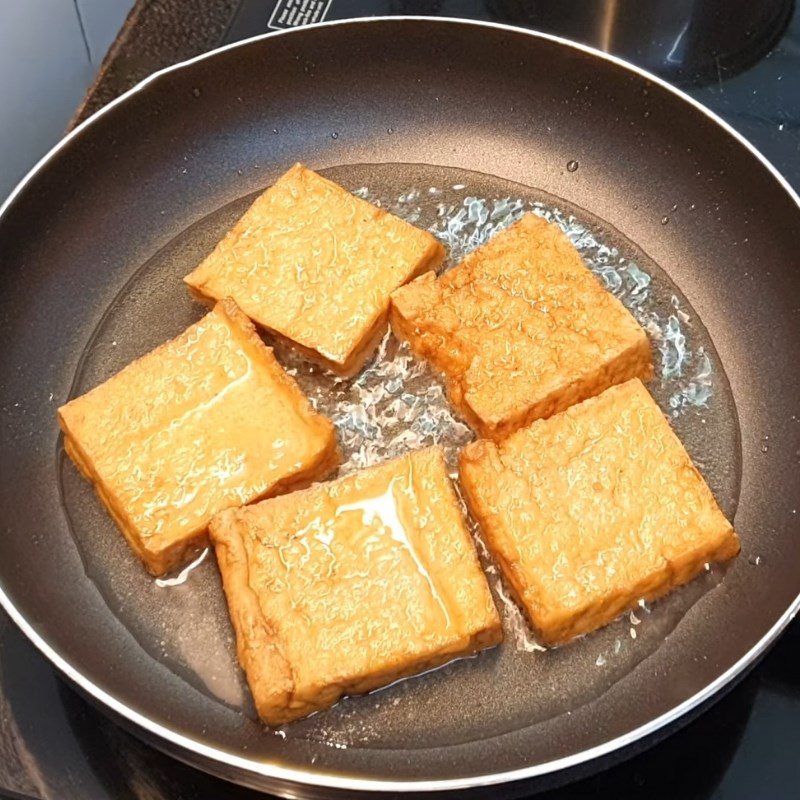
(206, 421)
(350, 585)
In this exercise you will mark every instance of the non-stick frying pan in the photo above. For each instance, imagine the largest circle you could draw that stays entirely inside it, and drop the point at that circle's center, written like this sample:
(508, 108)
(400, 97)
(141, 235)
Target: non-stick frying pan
(93, 243)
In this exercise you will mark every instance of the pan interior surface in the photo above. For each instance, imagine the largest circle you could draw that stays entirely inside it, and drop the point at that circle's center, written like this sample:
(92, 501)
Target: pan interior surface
(185, 626)
(95, 244)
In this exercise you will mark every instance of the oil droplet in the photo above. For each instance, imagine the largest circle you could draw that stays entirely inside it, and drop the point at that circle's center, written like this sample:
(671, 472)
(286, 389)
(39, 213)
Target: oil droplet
(646, 114)
(674, 207)
(181, 577)
(664, 220)
(390, 130)
(274, 130)
(572, 166)
(334, 135)
(196, 92)
(384, 510)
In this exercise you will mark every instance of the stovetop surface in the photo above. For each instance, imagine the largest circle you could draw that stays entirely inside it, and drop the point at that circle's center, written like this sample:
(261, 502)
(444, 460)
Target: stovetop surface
(54, 744)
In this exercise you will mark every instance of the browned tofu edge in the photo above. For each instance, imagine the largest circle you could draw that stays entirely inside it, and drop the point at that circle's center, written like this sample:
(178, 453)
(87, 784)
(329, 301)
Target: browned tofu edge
(258, 648)
(357, 357)
(634, 362)
(158, 558)
(478, 461)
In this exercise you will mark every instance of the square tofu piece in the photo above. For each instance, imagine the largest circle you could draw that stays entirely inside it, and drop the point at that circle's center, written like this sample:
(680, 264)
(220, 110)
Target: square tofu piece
(593, 509)
(204, 422)
(350, 585)
(521, 329)
(316, 265)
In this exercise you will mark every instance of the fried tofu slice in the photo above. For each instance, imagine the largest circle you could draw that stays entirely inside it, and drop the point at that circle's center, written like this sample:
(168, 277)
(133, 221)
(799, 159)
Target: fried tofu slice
(521, 329)
(350, 585)
(206, 421)
(316, 265)
(593, 509)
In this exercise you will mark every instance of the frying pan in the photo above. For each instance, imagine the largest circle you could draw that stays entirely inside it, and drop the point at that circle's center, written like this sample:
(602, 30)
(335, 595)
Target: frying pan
(95, 237)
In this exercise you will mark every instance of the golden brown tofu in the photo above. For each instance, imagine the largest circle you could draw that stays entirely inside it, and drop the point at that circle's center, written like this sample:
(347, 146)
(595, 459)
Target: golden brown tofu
(207, 421)
(350, 585)
(521, 329)
(593, 509)
(313, 263)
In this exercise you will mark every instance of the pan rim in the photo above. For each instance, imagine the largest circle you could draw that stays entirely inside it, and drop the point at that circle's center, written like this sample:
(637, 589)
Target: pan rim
(276, 772)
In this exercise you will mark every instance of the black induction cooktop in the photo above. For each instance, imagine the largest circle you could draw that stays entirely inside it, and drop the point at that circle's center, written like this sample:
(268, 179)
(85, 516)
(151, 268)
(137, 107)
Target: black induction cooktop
(741, 59)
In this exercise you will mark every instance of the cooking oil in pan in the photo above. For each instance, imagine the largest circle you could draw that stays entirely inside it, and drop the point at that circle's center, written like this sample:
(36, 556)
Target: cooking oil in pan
(397, 404)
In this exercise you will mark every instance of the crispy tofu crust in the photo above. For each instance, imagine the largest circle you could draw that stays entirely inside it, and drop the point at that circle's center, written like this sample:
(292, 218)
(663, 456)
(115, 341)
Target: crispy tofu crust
(350, 585)
(206, 421)
(521, 329)
(593, 509)
(316, 265)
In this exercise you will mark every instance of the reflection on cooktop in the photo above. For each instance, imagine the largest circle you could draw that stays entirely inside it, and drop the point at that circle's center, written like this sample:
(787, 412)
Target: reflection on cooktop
(681, 40)
(685, 41)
